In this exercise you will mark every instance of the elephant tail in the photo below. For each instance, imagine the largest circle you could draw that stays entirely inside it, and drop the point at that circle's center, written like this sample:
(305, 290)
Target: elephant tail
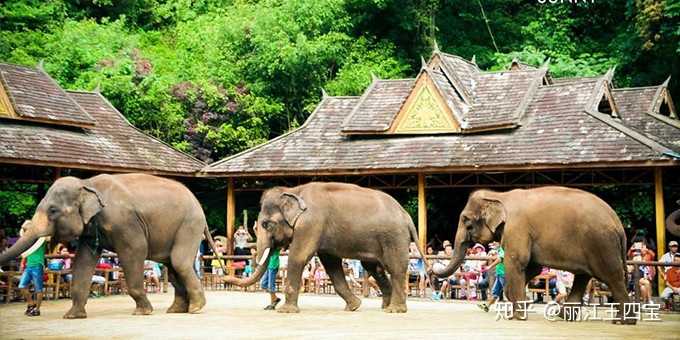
(211, 243)
(624, 255)
(414, 237)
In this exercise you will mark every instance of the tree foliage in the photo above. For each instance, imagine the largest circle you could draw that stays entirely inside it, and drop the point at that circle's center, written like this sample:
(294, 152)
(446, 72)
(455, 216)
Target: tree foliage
(215, 77)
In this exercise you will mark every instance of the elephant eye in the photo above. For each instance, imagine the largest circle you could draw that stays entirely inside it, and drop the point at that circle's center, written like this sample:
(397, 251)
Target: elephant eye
(52, 211)
(267, 225)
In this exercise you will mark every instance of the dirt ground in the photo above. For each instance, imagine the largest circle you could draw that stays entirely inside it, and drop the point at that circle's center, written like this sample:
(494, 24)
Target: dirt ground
(231, 314)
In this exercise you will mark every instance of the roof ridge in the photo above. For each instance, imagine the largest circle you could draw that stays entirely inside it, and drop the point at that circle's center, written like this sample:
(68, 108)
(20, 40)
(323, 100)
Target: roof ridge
(594, 80)
(362, 98)
(529, 96)
(140, 131)
(635, 135)
(461, 58)
(395, 80)
(344, 97)
(636, 88)
(509, 71)
(69, 98)
(457, 84)
(443, 96)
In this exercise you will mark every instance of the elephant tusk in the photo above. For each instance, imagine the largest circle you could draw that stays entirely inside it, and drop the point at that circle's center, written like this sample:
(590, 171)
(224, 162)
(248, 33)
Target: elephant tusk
(34, 247)
(265, 253)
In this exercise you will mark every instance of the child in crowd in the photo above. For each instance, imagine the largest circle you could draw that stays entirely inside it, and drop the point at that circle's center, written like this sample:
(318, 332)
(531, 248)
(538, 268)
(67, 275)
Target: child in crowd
(33, 261)
(499, 282)
(563, 283)
(268, 282)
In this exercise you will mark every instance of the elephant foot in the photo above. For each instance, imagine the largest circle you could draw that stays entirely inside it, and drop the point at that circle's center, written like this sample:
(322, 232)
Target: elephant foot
(394, 308)
(625, 322)
(385, 303)
(353, 305)
(197, 304)
(143, 311)
(75, 314)
(286, 308)
(519, 317)
(178, 307)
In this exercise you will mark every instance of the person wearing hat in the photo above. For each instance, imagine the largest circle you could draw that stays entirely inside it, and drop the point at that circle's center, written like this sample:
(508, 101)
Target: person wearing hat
(33, 261)
(668, 257)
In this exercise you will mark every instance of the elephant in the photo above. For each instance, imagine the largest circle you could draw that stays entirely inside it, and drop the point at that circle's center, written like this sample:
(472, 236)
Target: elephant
(335, 221)
(559, 227)
(673, 222)
(138, 216)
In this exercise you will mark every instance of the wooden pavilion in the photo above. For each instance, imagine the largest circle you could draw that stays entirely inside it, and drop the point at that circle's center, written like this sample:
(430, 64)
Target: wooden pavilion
(456, 126)
(47, 132)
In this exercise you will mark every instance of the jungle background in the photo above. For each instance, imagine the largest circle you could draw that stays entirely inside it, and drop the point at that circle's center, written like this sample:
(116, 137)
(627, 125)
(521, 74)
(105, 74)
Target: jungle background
(215, 77)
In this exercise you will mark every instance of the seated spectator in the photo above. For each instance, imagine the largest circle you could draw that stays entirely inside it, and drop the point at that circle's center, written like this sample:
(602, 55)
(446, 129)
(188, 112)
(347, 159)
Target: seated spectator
(217, 264)
(672, 275)
(645, 253)
(472, 272)
(152, 272)
(416, 268)
(668, 257)
(349, 275)
(645, 280)
(564, 282)
(241, 239)
(319, 275)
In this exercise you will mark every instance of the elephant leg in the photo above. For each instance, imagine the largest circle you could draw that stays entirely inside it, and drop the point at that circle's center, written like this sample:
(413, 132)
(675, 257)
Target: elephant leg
(333, 266)
(617, 286)
(133, 267)
(578, 288)
(298, 256)
(83, 269)
(397, 265)
(515, 276)
(378, 272)
(181, 302)
(182, 259)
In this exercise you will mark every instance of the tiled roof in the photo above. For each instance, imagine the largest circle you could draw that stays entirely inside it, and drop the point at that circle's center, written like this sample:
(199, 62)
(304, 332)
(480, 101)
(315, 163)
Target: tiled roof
(636, 111)
(555, 131)
(109, 143)
(378, 106)
(501, 97)
(479, 100)
(37, 97)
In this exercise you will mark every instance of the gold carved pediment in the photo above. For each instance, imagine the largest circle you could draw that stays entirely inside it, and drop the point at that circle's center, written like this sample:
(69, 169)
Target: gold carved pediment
(425, 111)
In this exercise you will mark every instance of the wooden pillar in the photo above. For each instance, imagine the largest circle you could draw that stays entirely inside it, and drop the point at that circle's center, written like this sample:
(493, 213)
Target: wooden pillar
(660, 220)
(231, 216)
(231, 219)
(422, 212)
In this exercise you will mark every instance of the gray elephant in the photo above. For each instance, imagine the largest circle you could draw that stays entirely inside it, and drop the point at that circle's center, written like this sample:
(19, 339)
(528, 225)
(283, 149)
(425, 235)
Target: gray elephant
(336, 221)
(136, 215)
(563, 228)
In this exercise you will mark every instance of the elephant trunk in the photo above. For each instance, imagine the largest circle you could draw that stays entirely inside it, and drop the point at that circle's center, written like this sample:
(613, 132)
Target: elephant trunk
(32, 230)
(673, 223)
(255, 277)
(460, 248)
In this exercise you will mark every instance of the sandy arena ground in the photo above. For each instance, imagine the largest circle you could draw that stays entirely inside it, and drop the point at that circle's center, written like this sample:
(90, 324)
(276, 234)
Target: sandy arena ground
(233, 315)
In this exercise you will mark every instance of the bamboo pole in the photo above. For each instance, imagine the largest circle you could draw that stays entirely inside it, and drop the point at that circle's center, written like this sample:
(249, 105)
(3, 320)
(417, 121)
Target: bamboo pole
(660, 220)
(422, 212)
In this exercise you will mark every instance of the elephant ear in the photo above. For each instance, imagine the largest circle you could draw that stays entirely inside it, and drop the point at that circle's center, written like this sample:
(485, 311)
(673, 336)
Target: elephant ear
(493, 213)
(90, 203)
(292, 206)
